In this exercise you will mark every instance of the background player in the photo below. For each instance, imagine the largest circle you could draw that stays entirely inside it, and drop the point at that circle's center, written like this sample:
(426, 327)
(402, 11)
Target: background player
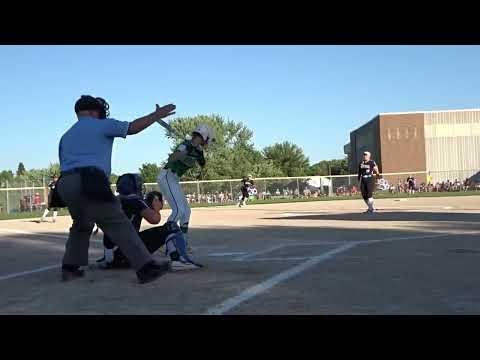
(366, 170)
(411, 185)
(247, 184)
(136, 208)
(185, 156)
(51, 187)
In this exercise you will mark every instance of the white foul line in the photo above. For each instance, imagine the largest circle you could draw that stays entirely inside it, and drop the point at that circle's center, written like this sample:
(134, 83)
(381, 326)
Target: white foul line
(253, 291)
(11, 276)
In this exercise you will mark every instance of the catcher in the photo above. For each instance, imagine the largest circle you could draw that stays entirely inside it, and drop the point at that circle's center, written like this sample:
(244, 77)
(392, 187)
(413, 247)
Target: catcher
(137, 208)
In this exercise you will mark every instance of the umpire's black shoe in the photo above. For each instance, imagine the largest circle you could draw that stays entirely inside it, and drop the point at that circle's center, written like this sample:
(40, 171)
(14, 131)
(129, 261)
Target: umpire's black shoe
(117, 263)
(152, 271)
(70, 272)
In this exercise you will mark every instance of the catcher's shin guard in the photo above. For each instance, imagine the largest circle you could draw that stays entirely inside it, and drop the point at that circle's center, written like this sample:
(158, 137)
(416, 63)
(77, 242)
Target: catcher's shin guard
(177, 248)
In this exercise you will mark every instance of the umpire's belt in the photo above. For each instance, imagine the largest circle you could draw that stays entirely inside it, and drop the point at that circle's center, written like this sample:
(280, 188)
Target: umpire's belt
(95, 183)
(71, 171)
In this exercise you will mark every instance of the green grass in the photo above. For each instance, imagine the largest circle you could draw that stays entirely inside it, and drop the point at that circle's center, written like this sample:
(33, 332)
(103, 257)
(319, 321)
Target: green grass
(30, 215)
(379, 195)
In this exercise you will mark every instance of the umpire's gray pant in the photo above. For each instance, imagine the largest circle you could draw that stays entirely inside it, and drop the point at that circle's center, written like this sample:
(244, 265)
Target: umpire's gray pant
(109, 217)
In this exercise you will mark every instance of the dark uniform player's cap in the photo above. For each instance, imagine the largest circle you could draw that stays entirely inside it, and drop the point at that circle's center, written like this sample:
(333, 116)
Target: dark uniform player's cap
(87, 102)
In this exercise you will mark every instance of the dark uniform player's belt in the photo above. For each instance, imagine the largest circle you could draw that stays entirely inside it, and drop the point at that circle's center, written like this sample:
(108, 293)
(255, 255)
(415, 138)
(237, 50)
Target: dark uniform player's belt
(366, 176)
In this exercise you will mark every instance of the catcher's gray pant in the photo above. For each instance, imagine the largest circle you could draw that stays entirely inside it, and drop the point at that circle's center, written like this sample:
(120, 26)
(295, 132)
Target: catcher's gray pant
(108, 216)
(172, 191)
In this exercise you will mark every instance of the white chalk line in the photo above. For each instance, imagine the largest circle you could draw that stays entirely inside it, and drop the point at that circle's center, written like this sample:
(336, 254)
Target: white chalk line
(255, 290)
(63, 237)
(286, 258)
(261, 252)
(260, 288)
(23, 273)
(227, 254)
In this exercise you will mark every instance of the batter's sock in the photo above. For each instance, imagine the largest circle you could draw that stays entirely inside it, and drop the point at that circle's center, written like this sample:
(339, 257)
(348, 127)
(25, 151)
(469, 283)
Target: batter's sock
(55, 213)
(370, 204)
(184, 229)
(45, 213)
(108, 253)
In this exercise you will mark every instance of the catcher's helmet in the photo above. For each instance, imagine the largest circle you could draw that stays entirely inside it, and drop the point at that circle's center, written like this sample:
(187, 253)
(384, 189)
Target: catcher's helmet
(128, 184)
(87, 102)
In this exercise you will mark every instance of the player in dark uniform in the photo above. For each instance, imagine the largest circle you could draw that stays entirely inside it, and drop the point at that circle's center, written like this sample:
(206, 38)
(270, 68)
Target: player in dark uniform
(247, 184)
(51, 187)
(136, 208)
(366, 170)
(411, 184)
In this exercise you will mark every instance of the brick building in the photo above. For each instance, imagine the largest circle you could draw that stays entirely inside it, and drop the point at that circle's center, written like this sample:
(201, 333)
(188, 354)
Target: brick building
(445, 144)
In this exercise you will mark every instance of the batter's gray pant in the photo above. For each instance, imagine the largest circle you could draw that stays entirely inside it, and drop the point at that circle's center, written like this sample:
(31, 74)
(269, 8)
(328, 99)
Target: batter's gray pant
(172, 191)
(108, 216)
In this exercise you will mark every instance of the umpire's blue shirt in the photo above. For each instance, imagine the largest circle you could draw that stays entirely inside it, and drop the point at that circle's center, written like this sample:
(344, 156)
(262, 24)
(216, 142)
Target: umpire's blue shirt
(89, 143)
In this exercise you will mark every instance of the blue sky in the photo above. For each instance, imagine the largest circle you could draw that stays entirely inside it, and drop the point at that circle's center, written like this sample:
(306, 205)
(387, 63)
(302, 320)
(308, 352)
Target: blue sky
(310, 95)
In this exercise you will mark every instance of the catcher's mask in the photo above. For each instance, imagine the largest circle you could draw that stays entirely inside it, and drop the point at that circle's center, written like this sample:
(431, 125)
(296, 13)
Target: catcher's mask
(128, 184)
(87, 102)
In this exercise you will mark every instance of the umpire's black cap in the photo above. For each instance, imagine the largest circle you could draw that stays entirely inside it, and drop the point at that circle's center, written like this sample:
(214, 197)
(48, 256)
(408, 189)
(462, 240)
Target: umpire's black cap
(87, 102)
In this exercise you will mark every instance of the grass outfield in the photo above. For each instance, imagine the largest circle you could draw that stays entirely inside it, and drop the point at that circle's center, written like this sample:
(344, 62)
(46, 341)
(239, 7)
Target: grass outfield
(381, 195)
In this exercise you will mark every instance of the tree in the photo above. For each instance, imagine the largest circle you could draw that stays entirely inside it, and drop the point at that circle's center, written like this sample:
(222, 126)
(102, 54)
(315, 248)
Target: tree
(329, 167)
(21, 169)
(113, 178)
(149, 172)
(53, 169)
(231, 156)
(6, 176)
(287, 157)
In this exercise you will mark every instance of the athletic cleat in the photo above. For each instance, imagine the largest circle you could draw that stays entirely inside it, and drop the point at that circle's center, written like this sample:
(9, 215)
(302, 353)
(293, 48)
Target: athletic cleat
(183, 266)
(117, 263)
(69, 274)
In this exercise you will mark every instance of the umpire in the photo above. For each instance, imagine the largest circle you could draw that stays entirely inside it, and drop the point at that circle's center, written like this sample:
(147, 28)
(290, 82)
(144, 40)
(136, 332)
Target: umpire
(85, 152)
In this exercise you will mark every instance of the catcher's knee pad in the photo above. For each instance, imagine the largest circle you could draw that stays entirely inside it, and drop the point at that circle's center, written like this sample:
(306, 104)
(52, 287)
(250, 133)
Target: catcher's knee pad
(184, 228)
(171, 227)
(176, 243)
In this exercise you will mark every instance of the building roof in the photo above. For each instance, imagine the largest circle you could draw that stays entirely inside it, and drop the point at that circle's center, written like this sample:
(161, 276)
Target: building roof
(413, 112)
(430, 111)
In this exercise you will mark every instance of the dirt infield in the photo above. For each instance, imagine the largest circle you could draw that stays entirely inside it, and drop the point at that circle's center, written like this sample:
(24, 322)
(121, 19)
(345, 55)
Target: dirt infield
(415, 256)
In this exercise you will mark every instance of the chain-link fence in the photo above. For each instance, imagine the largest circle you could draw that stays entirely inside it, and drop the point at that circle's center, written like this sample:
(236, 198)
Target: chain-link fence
(32, 197)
